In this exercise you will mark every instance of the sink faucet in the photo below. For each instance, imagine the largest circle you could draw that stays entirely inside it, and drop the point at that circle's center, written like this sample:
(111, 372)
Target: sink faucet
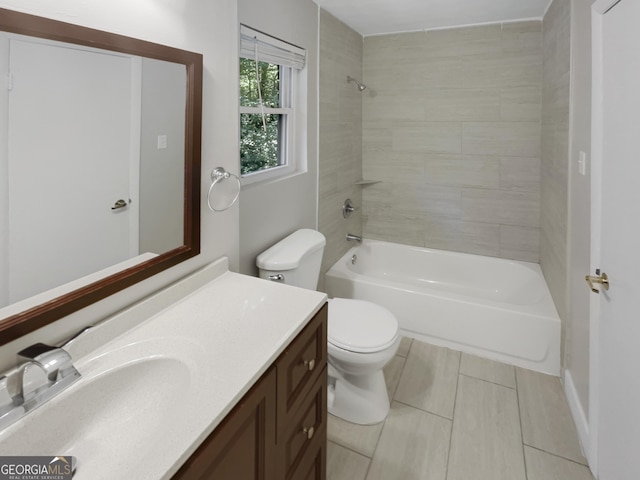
(54, 362)
(353, 238)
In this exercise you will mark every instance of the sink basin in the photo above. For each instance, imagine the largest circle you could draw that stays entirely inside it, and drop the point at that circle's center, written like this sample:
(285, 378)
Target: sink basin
(160, 376)
(126, 401)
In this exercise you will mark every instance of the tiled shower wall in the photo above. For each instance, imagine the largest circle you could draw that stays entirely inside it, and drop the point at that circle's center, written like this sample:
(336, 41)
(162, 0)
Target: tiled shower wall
(555, 151)
(340, 136)
(451, 126)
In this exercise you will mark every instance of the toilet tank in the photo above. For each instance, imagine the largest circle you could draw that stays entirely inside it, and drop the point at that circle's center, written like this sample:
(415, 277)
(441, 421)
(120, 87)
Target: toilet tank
(297, 258)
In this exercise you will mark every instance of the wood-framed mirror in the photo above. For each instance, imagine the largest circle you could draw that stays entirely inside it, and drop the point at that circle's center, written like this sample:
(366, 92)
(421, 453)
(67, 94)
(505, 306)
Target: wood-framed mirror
(59, 147)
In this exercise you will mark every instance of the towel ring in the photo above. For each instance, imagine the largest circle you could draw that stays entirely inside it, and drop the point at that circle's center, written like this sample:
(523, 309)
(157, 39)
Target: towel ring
(219, 174)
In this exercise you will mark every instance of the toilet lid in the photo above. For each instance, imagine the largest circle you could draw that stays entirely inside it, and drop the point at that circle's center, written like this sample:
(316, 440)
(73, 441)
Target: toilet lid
(360, 326)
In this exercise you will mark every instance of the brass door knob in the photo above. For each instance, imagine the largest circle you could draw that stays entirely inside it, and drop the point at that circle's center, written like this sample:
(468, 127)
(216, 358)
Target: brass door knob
(601, 279)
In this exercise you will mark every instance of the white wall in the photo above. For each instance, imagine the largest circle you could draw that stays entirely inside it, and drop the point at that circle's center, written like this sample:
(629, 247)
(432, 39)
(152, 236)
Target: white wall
(202, 26)
(161, 175)
(269, 212)
(4, 175)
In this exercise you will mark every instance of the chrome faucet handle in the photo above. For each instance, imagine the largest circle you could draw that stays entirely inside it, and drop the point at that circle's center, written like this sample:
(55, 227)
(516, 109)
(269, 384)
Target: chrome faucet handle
(10, 400)
(348, 208)
(12, 384)
(54, 361)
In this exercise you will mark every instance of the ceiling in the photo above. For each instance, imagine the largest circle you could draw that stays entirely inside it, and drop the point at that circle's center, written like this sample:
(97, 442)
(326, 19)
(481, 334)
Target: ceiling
(376, 17)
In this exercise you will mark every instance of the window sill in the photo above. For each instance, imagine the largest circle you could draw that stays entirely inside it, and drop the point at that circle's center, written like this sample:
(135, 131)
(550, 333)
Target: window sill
(259, 179)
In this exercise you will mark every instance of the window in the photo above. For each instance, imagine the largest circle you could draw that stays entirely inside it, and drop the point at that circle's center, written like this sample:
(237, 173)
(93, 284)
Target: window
(269, 70)
(263, 126)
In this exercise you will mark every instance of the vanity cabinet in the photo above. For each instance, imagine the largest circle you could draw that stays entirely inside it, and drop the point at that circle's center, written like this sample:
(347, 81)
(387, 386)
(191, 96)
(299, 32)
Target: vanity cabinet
(278, 431)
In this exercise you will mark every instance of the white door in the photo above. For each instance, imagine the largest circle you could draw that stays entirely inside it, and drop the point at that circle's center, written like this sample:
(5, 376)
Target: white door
(616, 114)
(70, 137)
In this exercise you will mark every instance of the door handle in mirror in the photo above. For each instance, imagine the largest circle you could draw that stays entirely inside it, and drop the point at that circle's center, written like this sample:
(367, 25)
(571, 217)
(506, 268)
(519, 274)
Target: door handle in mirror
(120, 204)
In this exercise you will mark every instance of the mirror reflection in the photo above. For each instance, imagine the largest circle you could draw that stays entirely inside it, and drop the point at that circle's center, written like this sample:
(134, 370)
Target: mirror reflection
(92, 158)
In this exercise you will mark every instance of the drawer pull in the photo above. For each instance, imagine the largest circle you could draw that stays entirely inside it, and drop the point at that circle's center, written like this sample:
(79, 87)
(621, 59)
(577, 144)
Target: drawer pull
(310, 364)
(309, 432)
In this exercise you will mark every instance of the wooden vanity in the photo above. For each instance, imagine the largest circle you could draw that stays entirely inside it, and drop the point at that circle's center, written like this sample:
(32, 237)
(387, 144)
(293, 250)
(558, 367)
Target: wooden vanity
(278, 430)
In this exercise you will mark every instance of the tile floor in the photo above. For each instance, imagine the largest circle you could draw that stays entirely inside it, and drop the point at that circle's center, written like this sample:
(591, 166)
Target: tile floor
(459, 417)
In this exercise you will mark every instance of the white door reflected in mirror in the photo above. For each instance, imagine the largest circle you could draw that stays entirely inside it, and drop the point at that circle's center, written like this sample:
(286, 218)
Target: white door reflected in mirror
(82, 131)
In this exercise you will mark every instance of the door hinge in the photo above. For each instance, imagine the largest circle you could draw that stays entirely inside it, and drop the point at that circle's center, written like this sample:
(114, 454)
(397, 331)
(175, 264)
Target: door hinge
(9, 81)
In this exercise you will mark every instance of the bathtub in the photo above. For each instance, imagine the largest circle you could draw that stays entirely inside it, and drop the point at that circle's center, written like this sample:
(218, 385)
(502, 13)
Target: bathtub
(491, 307)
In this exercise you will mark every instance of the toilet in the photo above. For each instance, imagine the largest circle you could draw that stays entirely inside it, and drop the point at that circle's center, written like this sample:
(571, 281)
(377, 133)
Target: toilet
(362, 336)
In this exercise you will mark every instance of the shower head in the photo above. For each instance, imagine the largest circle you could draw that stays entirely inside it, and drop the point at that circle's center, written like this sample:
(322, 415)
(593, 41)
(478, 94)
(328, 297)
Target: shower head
(361, 86)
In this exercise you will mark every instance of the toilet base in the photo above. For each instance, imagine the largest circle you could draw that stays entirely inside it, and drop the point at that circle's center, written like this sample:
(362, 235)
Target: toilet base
(360, 399)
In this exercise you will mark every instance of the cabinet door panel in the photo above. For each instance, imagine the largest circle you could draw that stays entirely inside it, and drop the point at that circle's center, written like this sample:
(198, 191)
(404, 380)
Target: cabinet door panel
(243, 445)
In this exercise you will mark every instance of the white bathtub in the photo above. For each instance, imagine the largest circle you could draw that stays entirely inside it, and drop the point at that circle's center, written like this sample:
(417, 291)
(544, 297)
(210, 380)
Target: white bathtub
(491, 307)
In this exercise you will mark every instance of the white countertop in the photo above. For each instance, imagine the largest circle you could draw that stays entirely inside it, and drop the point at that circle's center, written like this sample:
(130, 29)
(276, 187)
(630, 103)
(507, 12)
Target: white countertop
(226, 333)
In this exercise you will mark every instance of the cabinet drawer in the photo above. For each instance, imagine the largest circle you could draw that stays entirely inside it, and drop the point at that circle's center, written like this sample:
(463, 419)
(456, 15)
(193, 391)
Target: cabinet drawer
(300, 365)
(305, 430)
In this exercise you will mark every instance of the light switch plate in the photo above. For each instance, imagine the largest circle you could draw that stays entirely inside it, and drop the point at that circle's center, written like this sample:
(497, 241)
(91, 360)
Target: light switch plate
(582, 163)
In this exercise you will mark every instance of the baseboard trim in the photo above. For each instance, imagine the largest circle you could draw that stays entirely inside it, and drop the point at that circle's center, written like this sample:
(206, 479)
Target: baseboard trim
(577, 412)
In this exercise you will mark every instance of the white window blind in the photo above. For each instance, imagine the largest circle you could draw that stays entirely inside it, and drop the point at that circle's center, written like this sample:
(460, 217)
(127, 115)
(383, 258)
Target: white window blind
(270, 49)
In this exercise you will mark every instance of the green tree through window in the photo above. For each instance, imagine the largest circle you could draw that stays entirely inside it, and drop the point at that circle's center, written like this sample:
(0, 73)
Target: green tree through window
(261, 144)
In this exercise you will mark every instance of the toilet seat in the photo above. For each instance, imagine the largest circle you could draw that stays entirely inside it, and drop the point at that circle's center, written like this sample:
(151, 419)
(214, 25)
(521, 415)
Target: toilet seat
(360, 326)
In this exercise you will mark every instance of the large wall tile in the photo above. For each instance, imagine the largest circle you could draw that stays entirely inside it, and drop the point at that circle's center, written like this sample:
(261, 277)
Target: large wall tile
(340, 136)
(520, 173)
(376, 137)
(399, 168)
(520, 37)
(503, 70)
(520, 104)
(555, 151)
(414, 76)
(460, 236)
(488, 206)
(459, 42)
(427, 137)
(517, 139)
(405, 230)
(394, 107)
(447, 112)
(520, 243)
(461, 104)
(462, 170)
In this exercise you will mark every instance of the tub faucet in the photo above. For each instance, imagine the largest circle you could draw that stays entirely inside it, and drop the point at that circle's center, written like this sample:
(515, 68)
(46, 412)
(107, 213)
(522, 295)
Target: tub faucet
(353, 238)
